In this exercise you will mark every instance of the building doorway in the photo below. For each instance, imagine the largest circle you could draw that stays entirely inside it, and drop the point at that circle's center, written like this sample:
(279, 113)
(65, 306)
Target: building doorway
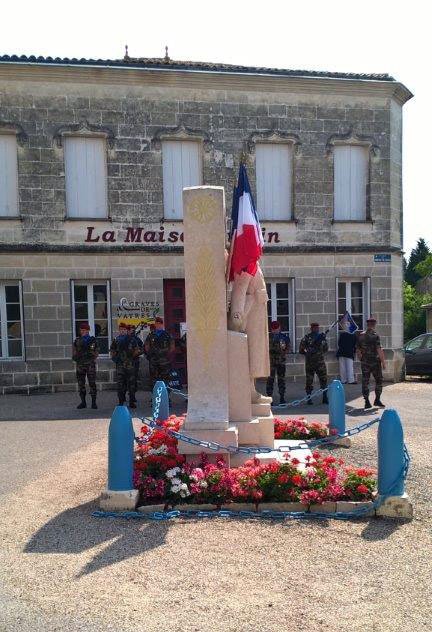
(174, 315)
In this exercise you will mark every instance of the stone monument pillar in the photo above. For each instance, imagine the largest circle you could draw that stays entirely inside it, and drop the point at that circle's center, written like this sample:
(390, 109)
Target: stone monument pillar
(206, 313)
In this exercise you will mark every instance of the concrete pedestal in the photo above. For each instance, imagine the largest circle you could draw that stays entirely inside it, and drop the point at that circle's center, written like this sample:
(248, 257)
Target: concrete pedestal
(119, 501)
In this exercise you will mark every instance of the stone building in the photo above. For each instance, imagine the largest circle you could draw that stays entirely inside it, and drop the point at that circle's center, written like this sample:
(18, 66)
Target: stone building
(93, 158)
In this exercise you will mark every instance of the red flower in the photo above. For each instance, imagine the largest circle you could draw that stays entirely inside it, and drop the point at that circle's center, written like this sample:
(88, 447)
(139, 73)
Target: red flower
(362, 489)
(297, 479)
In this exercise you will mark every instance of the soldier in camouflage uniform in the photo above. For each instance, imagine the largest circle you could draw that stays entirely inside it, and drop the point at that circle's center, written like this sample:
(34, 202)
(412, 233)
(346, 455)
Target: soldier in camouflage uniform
(84, 353)
(313, 346)
(372, 361)
(279, 345)
(158, 347)
(124, 350)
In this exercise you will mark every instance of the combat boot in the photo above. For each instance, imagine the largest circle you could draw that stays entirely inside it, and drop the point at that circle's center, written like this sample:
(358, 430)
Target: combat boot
(367, 403)
(309, 400)
(282, 400)
(132, 403)
(325, 398)
(83, 402)
(94, 405)
(378, 403)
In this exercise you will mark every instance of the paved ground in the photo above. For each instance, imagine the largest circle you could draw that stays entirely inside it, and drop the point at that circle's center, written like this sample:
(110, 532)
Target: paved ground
(60, 569)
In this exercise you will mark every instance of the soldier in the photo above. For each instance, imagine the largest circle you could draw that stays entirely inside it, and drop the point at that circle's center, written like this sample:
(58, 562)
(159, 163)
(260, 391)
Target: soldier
(134, 335)
(313, 346)
(372, 361)
(124, 350)
(279, 345)
(158, 346)
(84, 353)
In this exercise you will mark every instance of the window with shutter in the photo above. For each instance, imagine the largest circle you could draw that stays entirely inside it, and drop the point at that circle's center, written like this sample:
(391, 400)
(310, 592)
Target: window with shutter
(182, 167)
(8, 176)
(351, 174)
(86, 177)
(274, 165)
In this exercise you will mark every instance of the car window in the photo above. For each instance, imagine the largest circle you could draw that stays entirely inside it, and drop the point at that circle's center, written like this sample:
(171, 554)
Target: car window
(428, 344)
(415, 344)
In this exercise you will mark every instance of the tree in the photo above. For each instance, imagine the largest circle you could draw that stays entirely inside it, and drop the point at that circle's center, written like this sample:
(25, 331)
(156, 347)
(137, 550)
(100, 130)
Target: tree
(418, 254)
(414, 315)
(424, 268)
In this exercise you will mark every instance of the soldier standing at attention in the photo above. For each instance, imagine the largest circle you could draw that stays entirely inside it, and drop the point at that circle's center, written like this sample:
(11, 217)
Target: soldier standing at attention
(124, 350)
(279, 345)
(158, 346)
(372, 361)
(313, 346)
(84, 353)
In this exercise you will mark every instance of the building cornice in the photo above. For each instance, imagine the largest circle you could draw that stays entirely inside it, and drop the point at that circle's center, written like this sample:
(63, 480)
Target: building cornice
(140, 248)
(201, 79)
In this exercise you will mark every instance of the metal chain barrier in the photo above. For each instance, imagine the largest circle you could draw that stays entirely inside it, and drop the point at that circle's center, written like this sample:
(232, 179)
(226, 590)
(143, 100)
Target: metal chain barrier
(297, 402)
(232, 449)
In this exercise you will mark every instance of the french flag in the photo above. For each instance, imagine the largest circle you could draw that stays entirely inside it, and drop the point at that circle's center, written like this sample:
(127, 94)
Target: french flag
(246, 236)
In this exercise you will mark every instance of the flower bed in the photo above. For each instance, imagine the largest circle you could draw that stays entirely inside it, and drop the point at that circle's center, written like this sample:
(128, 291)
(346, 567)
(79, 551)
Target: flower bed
(299, 428)
(163, 476)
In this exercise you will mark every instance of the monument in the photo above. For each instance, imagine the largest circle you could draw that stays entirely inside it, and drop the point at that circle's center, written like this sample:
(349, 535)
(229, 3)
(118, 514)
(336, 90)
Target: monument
(227, 349)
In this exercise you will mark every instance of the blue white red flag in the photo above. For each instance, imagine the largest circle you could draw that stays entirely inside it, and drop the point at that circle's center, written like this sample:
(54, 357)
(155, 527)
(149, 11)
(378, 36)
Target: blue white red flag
(246, 236)
(347, 323)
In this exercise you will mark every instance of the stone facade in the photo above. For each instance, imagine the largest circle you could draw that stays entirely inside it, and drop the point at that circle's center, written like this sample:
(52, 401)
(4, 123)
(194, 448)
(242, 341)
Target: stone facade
(134, 111)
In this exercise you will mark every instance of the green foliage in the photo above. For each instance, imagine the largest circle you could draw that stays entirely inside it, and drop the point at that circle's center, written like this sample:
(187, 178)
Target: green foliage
(414, 315)
(418, 254)
(424, 268)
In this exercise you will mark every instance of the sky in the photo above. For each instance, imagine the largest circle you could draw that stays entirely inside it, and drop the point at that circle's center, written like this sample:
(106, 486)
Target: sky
(368, 36)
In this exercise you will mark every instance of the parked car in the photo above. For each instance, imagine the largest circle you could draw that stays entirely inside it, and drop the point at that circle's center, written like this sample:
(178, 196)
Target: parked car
(418, 355)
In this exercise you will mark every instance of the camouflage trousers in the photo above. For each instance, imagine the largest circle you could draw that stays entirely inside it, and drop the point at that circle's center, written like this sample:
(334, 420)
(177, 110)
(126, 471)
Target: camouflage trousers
(317, 366)
(126, 382)
(279, 370)
(89, 371)
(374, 368)
(159, 371)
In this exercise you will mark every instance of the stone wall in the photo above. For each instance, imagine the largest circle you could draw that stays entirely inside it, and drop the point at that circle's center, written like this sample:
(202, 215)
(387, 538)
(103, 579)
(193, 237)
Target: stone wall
(228, 122)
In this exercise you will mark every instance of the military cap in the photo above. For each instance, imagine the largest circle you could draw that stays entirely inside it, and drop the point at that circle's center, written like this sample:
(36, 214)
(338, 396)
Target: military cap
(275, 324)
(314, 324)
(371, 320)
(85, 326)
(159, 320)
(123, 325)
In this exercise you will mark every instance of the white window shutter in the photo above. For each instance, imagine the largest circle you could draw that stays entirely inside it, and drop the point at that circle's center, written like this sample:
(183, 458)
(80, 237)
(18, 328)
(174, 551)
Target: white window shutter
(274, 180)
(8, 176)
(181, 163)
(350, 181)
(86, 177)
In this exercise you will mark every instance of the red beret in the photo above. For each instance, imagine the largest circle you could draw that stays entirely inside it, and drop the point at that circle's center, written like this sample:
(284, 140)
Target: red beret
(159, 320)
(85, 326)
(275, 324)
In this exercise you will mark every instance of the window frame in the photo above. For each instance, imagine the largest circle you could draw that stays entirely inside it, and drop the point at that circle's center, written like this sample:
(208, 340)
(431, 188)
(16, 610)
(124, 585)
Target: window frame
(366, 296)
(291, 147)
(367, 148)
(199, 144)
(91, 321)
(13, 134)
(290, 281)
(3, 321)
(66, 137)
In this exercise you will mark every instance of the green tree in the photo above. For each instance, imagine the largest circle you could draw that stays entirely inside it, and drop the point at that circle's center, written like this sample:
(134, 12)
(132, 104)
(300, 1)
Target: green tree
(424, 268)
(414, 315)
(418, 254)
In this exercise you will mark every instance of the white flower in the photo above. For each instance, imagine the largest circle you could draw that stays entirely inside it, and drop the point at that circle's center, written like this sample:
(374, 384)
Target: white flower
(183, 486)
(175, 481)
(203, 484)
(184, 493)
(171, 473)
(175, 489)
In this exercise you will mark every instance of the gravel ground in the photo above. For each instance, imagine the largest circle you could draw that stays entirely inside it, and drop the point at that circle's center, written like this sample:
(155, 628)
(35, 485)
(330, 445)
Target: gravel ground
(61, 569)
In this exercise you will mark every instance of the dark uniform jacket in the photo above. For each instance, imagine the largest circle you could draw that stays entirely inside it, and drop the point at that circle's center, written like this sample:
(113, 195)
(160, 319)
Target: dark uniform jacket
(368, 344)
(313, 346)
(346, 345)
(278, 348)
(85, 350)
(158, 347)
(124, 351)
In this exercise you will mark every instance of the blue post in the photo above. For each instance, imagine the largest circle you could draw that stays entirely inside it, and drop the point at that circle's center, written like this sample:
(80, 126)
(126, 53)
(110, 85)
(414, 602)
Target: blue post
(164, 403)
(120, 450)
(336, 394)
(390, 455)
